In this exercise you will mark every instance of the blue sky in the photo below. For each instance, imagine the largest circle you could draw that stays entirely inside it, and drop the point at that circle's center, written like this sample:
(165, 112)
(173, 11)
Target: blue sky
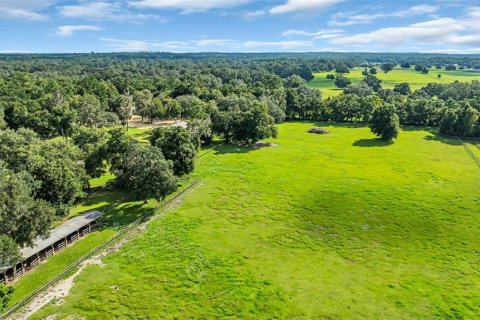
(240, 25)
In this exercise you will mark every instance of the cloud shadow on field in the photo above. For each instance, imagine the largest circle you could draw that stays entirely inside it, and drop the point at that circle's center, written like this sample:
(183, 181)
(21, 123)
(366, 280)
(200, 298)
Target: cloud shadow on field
(375, 142)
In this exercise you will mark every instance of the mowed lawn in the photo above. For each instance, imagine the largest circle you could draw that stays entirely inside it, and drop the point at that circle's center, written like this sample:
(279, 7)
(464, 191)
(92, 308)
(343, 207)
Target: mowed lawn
(337, 226)
(396, 76)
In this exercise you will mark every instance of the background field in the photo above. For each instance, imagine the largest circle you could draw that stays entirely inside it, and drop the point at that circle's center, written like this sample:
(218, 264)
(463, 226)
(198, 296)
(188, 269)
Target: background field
(320, 226)
(390, 79)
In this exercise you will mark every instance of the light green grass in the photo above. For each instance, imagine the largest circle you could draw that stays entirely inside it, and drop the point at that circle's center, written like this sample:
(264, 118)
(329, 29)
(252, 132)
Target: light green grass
(57, 263)
(396, 76)
(140, 134)
(337, 226)
(118, 215)
(102, 180)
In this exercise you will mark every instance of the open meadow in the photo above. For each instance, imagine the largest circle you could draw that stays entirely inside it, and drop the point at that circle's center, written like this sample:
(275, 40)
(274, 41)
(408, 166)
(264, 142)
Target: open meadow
(396, 76)
(341, 225)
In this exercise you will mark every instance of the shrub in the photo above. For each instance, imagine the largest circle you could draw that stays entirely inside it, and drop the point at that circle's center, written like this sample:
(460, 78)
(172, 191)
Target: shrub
(317, 130)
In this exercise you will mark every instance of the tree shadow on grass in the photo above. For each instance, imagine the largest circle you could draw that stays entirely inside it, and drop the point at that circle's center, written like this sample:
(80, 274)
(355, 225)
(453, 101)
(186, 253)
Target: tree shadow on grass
(436, 137)
(348, 125)
(376, 142)
(125, 214)
(232, 148)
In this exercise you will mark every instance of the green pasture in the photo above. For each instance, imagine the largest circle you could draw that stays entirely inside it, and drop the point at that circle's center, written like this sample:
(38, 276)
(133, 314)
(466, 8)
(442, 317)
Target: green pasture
(396, 76)
(336, 226)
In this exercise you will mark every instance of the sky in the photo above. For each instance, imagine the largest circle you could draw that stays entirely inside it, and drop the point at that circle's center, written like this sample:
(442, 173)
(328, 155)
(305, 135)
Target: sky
(51, 26)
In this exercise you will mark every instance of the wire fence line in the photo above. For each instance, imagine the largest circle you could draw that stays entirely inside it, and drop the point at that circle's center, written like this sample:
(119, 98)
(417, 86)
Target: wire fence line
(209, 150)
(123, 231)
(470, 152)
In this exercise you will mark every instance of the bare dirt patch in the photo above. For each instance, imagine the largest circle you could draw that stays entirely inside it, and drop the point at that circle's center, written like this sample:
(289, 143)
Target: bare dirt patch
(136, 122)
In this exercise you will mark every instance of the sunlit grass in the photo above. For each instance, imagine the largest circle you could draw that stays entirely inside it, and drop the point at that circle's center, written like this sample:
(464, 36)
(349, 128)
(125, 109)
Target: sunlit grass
(396, 76)
(336, 226)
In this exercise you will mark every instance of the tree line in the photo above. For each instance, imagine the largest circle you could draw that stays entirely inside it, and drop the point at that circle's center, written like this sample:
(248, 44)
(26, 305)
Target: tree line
(63, 122)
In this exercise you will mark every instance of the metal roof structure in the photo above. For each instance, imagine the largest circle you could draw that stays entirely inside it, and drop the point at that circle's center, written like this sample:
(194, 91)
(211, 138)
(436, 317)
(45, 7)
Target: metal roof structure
(60, 232)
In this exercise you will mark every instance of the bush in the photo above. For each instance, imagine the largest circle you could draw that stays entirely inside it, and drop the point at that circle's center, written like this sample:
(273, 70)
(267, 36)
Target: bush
(317, 130)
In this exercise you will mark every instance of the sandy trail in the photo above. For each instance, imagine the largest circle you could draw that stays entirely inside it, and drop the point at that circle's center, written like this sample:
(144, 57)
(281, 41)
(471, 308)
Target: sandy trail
(57, 291)
(62, 288)
(136, 122)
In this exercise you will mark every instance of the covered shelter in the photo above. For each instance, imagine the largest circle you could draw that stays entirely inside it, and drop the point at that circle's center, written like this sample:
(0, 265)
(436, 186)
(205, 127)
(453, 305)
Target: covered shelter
(60, 237)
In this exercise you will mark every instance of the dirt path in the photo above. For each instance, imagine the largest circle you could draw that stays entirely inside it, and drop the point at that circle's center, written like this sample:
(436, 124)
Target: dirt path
(57, 292)
(136, 122)
(62, 288)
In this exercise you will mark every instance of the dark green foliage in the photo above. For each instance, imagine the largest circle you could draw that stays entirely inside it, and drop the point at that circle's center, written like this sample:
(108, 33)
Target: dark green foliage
(317, 130)
(146, 173)
(126, 108)
(384, 122)
(360, 89)
(22, 217)
(373, 82)
(405, 65)
(200, 131)
(448, 121)
(5, 295)
(144, 104)
(402, 88)
(92, 142)
(386, 67)
(276, 106)
(9, 252)
(56, 165)
(116, 147)
(244, 119)
(342, 68)
(342, 81)
(61, 174)
(176, 145)
(373, 70)
(330, 76)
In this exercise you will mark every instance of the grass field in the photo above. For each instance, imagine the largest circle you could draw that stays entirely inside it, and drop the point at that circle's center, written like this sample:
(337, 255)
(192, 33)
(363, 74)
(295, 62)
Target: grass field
(396, 76)
(320, 226)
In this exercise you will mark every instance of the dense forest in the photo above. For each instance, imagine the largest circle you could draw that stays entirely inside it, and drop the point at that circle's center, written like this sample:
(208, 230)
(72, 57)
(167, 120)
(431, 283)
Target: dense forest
(61, 118)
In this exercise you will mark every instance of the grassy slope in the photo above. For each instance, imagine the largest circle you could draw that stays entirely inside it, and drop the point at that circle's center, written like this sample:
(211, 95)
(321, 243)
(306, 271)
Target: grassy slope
(390, 79)
(333, 226)
(121, 210)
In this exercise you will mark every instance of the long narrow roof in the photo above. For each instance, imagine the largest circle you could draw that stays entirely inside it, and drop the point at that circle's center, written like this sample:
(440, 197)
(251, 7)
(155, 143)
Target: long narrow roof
(60, 232)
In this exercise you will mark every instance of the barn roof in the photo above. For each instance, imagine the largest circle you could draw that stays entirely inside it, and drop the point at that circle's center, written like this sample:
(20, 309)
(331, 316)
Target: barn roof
(60, 232)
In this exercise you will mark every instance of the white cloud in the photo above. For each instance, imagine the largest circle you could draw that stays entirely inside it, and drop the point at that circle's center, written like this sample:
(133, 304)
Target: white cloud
(14, 51)
(127, 45)
(102, 11)
(202, 45)
(343, 19)
(279, 44)
(187, 6)
(322, 34)
(252, 15)
(437, 31)
(24, 9)
(215, 42)
(455, 51)
(303, 5)
(70, 30)
(142, 45)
